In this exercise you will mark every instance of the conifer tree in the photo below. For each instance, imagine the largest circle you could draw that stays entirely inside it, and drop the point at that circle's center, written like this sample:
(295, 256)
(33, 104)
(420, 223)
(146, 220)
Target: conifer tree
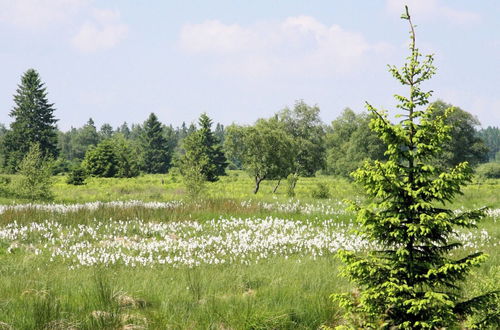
(156, 150)
(33, 123)
(411, 281)
(203, 148)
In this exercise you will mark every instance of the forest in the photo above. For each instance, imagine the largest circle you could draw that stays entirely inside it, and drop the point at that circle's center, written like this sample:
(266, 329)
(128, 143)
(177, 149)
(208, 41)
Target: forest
(293, 142)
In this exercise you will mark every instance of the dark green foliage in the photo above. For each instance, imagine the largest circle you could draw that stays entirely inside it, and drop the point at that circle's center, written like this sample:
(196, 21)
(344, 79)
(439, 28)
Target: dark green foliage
(106, 132)
(464, 145)
(102, 160)
(203, 148)
(128, 162)
(77, 177)
(111, 158)
(36, 176)
(75, 143)
(350, 142)
(33, 122)
(411, 281)
(491, 137)
(489, 171)
(305, 126)
(156, 152)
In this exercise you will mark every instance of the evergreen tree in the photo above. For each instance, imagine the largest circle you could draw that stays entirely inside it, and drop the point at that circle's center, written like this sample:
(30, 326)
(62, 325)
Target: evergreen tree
(106, 131)
(33, 123)
(213, 148)
(203, 147)
(410, 281)
(156, 152)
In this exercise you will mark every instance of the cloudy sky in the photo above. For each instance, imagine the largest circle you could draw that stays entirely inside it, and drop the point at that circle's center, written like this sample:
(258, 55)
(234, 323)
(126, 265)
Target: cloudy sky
(238, 60)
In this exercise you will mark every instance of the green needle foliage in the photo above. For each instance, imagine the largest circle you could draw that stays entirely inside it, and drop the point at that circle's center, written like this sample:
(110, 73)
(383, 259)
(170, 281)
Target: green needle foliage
(411, 280)
(33, 122)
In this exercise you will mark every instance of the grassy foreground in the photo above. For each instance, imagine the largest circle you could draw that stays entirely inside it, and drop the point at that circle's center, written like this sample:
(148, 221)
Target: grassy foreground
(230, 261)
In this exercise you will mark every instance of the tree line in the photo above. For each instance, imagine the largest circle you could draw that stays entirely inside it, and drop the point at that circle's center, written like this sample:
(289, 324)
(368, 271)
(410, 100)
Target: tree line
(293, 142)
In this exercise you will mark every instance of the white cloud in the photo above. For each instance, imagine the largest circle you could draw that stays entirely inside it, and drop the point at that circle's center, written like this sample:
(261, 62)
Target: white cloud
(103, 32)
(432, 9)
(35, 14)
(296, 44)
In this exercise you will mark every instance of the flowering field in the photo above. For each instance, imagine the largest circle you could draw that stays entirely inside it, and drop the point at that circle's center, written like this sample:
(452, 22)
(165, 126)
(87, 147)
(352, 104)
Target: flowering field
(188, 243)
(218, 263)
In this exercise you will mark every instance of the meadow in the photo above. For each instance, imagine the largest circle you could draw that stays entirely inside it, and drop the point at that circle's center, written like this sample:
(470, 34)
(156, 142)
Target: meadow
(137, 254)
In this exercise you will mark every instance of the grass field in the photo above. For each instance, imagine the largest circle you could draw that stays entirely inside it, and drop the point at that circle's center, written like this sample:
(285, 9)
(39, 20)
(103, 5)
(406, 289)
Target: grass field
(135, 254)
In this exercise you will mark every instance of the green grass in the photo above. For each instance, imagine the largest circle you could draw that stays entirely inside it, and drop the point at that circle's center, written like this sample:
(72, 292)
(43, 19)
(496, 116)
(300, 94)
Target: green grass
(273, 293)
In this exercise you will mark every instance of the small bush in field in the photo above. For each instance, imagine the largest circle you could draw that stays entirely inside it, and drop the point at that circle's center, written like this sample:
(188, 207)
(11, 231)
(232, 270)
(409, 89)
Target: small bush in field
(321, 191)
(489, 171)
(36, 176)
(77, 177)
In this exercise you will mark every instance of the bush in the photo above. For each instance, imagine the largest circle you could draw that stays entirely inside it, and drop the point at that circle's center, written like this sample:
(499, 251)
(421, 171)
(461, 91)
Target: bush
(489, 171)
(321, 191)
(291, 182)
(77, 177)
(36, 176)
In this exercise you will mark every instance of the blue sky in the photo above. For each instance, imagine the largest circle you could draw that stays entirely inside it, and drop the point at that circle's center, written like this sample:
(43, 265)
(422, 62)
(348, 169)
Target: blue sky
(237, 61)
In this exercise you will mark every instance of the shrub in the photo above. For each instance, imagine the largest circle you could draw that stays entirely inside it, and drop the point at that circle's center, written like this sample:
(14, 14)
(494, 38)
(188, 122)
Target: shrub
(489, 171)
(291, 182)
(321, 191)
(77, 177)
(36, 176)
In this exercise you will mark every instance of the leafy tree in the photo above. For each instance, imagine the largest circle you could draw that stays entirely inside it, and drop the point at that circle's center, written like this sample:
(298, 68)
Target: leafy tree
(86, 137)
(465, 144)
(128, 162)
(36, 175)
(156, 152)
(411, 281)
(304, 125)
(350, 142)
(34, 122)
(491, 137)
(266, 150)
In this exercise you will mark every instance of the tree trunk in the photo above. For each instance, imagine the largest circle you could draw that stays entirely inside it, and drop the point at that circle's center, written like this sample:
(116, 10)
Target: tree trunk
(277, 185)
(257, 184)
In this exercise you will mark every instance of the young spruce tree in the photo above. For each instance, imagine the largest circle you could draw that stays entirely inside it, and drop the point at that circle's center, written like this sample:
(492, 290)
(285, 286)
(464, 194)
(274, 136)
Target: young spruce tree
(411, 281)
(156, 150)
(34, 122)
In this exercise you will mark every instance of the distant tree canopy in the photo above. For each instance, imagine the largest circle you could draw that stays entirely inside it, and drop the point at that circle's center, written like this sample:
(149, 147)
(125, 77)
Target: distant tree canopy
(113, 157)
(491, 137)
(304, 125)
(349, 142)
(266, 150)
(336, 149)
(465, 143)
(33, 123)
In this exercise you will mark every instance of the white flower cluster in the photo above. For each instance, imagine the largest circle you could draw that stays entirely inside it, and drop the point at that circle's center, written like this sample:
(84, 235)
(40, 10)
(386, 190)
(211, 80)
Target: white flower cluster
(186, 243)
(296, 206)
(92, 206)
(189, 243)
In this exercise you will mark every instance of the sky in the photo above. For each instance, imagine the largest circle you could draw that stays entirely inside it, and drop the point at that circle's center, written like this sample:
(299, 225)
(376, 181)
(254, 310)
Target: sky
(119, 60)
